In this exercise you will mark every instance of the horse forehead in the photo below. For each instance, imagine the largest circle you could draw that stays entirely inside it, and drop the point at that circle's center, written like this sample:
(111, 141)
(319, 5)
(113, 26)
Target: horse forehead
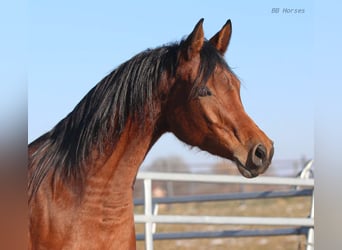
(225, 76)
(224, 70)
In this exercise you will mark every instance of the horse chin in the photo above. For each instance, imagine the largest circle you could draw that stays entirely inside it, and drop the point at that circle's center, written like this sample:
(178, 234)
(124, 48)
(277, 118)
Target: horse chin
(246, 172)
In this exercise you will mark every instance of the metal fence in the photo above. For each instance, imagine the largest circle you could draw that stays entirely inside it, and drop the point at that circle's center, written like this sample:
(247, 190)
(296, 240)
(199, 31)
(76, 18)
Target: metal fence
(297, 225)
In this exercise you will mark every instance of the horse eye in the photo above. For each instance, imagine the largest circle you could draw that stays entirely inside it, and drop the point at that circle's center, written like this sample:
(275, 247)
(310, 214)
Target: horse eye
(204, 91)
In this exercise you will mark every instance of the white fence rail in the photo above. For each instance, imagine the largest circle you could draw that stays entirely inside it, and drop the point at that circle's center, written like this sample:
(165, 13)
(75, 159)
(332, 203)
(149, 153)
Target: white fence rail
(149, 219)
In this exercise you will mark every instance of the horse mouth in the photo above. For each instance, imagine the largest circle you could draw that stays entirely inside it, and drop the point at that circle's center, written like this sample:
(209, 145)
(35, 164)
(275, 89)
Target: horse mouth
(248, 173)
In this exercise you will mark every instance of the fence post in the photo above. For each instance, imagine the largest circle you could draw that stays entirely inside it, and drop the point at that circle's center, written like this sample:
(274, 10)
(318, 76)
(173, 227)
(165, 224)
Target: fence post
(305, 174)
(310, 235)
(148, 214)
(155, 212)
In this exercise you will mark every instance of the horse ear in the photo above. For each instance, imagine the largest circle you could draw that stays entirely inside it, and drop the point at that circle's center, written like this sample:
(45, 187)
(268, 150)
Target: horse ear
(194, 42)
(222, 38)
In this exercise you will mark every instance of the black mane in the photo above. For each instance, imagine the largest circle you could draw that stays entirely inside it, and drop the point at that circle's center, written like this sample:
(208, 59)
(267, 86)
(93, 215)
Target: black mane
(126, 92)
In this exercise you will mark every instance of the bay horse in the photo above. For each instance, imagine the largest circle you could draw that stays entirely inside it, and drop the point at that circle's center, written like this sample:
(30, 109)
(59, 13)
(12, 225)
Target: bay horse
(81, 173)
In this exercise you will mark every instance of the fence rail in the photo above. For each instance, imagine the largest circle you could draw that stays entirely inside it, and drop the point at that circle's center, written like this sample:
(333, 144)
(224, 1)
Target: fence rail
(298, 225)
(228, 233)
(227, 197)
(212, 178)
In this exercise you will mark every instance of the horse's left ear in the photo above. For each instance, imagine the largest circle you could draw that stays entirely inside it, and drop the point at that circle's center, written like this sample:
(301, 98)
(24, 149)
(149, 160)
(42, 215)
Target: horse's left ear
(194, 42)
(222, 38)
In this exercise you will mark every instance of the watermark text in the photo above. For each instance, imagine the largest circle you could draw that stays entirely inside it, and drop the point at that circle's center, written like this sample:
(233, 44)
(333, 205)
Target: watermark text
(287, 11)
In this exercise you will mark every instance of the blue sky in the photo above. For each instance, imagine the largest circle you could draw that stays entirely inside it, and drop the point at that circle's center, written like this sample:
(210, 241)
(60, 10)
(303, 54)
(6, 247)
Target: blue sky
(74, 44)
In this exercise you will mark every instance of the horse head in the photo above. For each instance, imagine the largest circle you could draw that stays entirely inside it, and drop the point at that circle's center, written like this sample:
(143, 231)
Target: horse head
(205, 108)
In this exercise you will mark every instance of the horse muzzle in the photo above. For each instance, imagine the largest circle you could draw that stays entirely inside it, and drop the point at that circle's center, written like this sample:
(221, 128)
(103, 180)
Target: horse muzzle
(258, 160)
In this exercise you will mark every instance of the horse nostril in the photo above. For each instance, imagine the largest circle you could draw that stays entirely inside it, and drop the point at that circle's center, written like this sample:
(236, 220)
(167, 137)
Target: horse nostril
(260, 151)
(259, 155)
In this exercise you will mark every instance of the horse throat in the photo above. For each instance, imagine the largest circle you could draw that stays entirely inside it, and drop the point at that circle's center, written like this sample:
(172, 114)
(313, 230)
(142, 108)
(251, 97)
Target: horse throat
(119, 167)
(108, 195)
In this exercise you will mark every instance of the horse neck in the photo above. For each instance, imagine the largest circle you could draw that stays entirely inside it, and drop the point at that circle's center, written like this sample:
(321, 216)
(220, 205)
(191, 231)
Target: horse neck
(106, 200)
(117, 171)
